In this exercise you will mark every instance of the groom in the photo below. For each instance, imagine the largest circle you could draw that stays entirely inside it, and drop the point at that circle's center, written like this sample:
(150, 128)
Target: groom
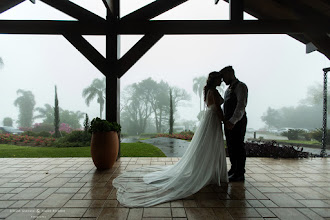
(235, 122)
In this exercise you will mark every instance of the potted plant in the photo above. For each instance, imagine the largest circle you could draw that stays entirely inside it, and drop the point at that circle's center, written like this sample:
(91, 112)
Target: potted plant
(104, 143)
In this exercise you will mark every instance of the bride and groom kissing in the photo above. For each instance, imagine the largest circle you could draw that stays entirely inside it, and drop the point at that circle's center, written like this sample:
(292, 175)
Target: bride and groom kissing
(204, 161)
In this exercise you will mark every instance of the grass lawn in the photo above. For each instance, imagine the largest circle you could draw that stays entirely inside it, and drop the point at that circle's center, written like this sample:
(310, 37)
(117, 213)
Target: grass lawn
(299, 142)
(127, 150)
(140, 150)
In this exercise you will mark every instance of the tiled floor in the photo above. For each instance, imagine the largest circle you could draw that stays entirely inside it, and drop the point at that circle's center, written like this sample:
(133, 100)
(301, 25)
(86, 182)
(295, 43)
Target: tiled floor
(71, 188)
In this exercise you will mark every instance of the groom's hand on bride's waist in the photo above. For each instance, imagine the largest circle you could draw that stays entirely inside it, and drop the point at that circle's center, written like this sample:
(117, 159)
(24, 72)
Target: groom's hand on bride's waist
(229, 125)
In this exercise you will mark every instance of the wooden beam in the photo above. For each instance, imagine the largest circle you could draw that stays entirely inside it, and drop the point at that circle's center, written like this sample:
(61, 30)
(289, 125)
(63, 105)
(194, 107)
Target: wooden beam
(321, 41)
(88, 51)
(153, 9)
(170, 27)
(8, 4)
(137, 51)
(51, 27)
(221, 27)
(236, 9)
(74, 10)
(303, 11)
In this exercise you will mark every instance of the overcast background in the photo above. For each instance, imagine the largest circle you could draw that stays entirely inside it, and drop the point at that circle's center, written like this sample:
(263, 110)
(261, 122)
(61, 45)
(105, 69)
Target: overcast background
(275, 68)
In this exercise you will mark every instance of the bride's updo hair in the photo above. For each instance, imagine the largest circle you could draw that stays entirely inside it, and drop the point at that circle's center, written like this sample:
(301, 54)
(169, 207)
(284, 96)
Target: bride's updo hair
(210, 82)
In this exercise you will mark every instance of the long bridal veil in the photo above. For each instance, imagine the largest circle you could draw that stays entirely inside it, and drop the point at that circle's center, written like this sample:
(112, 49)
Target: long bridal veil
(203, 163)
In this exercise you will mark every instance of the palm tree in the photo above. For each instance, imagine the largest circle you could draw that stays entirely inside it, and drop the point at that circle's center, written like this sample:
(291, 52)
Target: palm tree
(96, 89)
(26, 105)
(198, 86)
(46, 113)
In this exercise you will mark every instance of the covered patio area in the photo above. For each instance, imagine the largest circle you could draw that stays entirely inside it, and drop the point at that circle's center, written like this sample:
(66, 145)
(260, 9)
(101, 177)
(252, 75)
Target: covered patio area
(72, 188)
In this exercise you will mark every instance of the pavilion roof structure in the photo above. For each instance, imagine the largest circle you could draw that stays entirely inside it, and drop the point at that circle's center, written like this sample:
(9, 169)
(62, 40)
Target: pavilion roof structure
(314, 16)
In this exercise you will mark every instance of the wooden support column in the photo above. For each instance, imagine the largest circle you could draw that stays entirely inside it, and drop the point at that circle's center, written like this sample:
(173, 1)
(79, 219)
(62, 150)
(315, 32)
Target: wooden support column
(112, 103)
(236, 10)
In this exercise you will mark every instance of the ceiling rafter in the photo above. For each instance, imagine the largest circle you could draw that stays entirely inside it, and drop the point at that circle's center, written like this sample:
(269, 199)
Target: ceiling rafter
(302, 11)
(153, 9)
(8, 4)
(321, 41)
(73, 10)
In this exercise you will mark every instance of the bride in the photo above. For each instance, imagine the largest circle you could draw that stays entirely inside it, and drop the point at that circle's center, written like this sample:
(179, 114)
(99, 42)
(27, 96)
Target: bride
(203, 163)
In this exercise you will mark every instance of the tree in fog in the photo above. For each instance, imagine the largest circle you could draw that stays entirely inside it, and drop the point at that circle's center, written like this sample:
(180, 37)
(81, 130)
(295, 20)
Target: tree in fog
(1, 63)
(25, 102)
(306, 115)
(198, 87)
(171, 120)
(148, 102)
(56, 116)
(159, 103)
(179, 95)
(96, 90)
(315, 96)
(137, 108)
(46, 113)
(72, 118)
(7, 122)
(86, 124)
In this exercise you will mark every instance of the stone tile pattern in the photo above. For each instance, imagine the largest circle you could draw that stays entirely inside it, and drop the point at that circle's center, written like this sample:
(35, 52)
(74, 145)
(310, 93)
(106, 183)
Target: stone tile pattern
(72, 188)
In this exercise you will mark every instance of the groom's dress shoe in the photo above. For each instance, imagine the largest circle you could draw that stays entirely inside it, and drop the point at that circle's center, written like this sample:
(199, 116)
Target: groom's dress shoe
(236, 178)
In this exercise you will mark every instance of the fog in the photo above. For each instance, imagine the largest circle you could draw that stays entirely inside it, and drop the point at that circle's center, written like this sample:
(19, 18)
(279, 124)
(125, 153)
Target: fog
(275, 68)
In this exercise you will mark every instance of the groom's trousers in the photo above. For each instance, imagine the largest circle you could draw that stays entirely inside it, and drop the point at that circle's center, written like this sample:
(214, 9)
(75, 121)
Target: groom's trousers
(236, 146)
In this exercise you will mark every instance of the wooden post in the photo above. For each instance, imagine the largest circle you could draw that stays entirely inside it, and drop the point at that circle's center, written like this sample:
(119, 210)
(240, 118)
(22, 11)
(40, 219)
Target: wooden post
(236, 10)
(112, 105)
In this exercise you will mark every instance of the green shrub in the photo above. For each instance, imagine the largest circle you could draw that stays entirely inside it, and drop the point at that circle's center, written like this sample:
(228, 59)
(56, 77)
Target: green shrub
(39, 127)
(44, 134)
(37, 134)
(187, 132)
(317, 134)
(297, 134)
(30, 133)
(74, 139)
(71, 144)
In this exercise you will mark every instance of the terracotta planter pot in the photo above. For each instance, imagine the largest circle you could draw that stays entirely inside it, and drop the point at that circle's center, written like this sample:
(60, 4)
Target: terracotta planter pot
(104, 149)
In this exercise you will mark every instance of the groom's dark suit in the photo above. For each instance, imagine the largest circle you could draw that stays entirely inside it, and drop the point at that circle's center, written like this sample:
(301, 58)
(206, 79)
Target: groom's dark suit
(234, 112)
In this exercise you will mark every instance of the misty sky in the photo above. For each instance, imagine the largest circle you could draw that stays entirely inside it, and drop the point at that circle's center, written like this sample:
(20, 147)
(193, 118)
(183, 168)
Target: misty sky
(275, 68)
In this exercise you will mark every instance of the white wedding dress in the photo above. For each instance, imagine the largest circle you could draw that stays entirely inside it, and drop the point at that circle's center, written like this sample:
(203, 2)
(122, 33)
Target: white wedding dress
(203, 163)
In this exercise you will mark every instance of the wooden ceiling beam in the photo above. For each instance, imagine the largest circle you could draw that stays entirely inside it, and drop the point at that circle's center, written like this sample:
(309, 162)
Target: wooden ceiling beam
(82, 45)
(153, 9)
(321, 41)
(51, 27)
(73, 10)
(170, 27)
(302, 11)
(137, 51)
(219, 27)
(8, 4)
